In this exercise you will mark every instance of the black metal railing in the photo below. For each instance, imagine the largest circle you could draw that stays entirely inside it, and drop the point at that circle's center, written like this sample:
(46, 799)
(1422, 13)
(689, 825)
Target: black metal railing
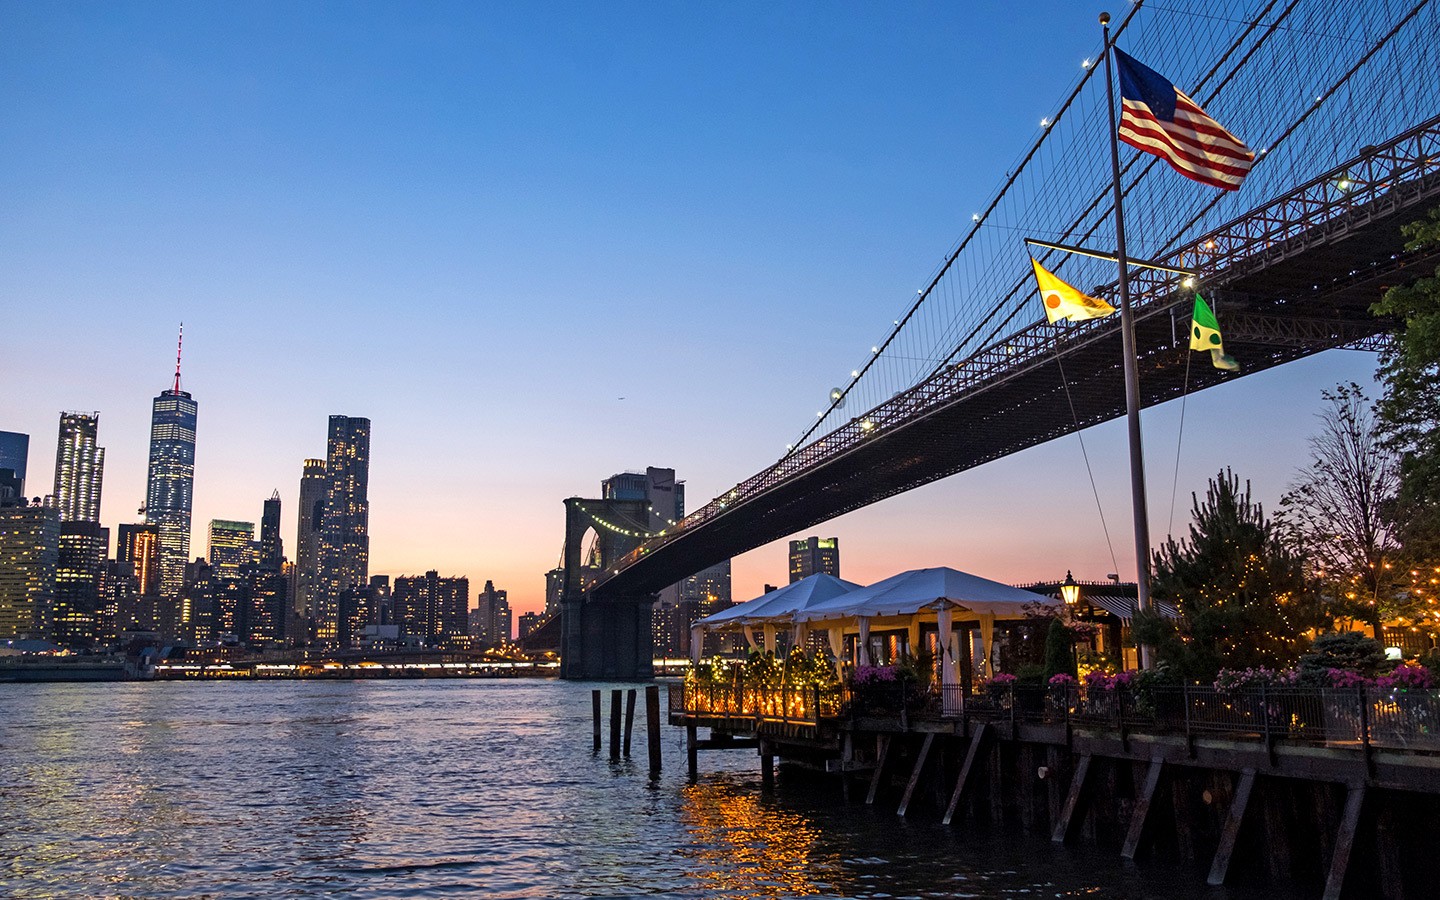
(1358, 717)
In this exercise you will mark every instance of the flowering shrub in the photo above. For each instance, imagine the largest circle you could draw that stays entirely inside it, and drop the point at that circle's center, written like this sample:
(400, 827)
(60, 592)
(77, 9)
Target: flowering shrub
(1241, 679)
(1061, 680)
(1004, 679)
(873, 674)
(1098, 680)
(1080, 631)
(1406, 678)
(1344, 678)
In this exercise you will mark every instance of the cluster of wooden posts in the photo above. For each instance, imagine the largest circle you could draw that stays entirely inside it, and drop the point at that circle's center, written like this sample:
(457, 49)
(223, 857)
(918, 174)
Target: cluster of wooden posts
(620, 740)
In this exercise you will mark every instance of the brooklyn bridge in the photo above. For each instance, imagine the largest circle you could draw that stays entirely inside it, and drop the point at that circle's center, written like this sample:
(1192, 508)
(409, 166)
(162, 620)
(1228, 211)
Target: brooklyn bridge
(1344, 114)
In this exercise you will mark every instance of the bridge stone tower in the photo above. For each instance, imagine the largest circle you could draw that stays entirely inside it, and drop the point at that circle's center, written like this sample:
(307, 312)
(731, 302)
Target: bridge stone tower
(610, 638)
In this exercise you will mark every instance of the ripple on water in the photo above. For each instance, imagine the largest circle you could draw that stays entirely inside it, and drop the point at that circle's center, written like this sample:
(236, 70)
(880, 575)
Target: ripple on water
(422, 789)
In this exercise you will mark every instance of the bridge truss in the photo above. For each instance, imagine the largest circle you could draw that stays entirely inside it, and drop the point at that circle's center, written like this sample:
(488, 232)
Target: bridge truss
(957, 383)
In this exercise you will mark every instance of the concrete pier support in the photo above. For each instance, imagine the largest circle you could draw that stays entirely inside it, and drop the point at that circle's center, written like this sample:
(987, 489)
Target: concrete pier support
(608, 639)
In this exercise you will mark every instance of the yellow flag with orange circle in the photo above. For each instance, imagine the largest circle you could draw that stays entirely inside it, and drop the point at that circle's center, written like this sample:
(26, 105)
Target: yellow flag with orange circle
(1062, 301)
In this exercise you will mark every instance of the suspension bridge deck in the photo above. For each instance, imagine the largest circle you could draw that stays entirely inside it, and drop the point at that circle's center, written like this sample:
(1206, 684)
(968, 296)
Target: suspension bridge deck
(1291, 278)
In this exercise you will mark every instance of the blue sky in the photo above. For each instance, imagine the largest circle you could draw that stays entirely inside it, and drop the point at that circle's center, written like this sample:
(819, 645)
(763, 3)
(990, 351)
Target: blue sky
(481, 225)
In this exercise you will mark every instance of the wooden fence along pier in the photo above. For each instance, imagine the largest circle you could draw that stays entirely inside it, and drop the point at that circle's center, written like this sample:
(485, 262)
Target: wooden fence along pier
(1334, 788)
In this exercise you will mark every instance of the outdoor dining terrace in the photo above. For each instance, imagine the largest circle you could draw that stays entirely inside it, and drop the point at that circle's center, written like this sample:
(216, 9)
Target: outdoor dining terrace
(1360, 717)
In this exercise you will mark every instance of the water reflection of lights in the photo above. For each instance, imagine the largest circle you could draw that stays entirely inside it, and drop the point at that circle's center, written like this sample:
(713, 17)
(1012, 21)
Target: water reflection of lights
(745, 850)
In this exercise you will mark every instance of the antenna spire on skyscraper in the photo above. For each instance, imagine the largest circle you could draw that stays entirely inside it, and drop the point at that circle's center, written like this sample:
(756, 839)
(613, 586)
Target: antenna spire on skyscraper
(178, 345)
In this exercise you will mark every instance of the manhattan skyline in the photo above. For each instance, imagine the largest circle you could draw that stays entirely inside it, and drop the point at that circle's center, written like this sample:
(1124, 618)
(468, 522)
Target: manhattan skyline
(539, 250)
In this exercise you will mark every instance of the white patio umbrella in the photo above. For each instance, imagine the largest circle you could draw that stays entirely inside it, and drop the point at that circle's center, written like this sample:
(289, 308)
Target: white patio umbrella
(778, 607)
(948, 594)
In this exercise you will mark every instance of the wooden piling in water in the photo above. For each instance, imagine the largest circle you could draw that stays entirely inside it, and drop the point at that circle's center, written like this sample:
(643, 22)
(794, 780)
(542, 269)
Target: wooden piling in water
(1141, 809)
(915, 773)
(595, 708)
(692, 752)
(882, 749)
(652, 725)
(629, 719)
(1233, 820)
(976, 739)
(1344, 841)
(1072, 800)
(615, 724)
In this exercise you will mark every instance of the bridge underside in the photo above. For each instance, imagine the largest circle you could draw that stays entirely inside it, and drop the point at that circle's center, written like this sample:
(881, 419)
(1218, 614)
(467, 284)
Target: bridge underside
(1295, 298)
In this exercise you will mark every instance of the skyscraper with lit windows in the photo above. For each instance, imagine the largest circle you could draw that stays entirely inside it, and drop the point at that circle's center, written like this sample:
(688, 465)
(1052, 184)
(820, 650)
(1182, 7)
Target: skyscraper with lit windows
(813, 556)
(314, 487)
(169, 487)
(14, 454)
(344, 558)
(29, 552)
(79, 468)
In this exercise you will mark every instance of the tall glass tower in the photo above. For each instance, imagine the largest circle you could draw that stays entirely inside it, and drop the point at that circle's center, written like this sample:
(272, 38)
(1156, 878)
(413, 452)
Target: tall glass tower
(314, 487)
(345, 527)
(169, 488)
(272, 549)
(79, 468)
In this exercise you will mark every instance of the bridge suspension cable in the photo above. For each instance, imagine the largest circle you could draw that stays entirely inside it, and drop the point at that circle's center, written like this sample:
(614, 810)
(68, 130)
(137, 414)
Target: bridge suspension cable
(1302, 96)
(1299, 91)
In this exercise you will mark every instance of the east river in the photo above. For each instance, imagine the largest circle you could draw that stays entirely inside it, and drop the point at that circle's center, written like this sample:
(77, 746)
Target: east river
(380, 789)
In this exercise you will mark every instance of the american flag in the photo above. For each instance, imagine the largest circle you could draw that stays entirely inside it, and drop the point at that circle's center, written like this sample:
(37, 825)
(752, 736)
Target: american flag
(1156, 117)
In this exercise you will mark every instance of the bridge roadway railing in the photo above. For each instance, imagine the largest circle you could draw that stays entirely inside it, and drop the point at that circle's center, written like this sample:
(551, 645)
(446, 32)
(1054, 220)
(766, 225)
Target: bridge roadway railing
(1360, 717)
(1365, 187)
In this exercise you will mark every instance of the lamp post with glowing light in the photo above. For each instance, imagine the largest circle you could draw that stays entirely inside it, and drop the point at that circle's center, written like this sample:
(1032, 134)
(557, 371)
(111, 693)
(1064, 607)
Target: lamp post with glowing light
(1070, 591)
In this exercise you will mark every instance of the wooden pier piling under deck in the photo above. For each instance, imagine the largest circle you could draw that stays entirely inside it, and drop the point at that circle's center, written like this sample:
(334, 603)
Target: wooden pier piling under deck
(595, 709)
(1281, 804)
(652, 726)
(615, 724)
(629, 719)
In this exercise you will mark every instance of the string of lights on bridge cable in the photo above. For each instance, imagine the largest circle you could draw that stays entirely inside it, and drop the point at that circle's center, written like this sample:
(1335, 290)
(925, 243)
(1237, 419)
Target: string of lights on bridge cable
(1294, 77)
(1286, 91)
(635, 530)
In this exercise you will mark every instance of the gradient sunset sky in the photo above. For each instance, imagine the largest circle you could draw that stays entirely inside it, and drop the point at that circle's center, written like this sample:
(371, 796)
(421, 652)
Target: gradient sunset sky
(537, 244)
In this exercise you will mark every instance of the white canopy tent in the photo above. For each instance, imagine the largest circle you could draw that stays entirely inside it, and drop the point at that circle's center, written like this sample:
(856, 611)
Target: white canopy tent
(776, 609)
(940, 594)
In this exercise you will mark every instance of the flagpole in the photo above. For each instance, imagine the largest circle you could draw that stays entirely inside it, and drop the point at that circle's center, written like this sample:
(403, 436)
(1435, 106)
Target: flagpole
(1132, 374)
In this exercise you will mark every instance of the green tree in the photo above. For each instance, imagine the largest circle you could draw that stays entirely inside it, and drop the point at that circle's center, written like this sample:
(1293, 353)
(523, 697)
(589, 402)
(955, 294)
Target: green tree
(1409, 412)
(1059, 650)
(1243, 595)
(1350, 651)
(1338, 510)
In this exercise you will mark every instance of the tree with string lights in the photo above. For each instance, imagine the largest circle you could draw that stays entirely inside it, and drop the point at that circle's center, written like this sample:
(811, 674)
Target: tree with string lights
(1408, 417)
(1243, 594)
(1338, 511)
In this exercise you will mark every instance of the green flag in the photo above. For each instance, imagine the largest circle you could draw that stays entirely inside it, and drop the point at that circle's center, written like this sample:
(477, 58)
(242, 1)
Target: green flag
(1205, 335)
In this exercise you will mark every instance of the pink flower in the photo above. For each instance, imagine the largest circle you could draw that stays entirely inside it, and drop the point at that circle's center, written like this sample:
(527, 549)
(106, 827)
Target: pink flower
(1343, 678)
(1061, 680)
(874, 674)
